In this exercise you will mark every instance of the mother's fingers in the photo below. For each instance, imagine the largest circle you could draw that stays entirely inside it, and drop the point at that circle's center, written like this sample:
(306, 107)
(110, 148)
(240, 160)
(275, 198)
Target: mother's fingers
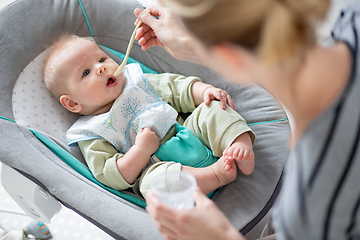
(147, 39)
(141, 31)
(157, 209)
(162, 215)
(145, 16)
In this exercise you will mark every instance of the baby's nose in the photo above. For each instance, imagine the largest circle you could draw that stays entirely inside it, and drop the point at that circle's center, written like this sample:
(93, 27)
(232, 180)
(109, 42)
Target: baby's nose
(101, 69)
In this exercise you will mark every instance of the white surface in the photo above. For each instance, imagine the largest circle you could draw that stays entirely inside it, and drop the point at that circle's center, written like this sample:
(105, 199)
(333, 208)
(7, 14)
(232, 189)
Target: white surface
(36, 202)
(3, 3)
(66, 225)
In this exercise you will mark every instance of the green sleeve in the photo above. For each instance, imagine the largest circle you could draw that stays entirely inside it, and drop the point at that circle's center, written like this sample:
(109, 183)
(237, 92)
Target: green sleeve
(174, 89)
(101, 158)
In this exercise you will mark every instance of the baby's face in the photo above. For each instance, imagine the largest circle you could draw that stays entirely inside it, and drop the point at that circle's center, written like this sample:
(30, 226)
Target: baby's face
(89, 75)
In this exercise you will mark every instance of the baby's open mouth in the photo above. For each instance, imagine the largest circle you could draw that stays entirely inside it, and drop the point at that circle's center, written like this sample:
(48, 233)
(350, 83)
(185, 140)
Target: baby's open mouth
(110, 81)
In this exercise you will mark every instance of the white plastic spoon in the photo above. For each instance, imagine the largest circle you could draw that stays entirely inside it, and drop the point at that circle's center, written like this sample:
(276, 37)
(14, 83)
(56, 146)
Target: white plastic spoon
(131, 42)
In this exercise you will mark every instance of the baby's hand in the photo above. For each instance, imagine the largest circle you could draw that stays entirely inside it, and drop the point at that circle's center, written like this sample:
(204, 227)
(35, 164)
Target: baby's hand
(147, 141)
(213, 93)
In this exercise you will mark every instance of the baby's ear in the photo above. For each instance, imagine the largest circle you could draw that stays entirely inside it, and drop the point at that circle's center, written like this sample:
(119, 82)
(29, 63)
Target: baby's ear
(69, 104)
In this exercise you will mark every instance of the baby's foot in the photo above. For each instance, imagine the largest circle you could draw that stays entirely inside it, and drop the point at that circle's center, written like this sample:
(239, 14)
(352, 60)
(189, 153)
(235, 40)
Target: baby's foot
(225, 170)
(243, 155)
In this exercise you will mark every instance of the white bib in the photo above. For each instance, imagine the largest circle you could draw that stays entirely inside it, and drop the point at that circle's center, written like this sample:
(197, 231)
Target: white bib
(137, 107)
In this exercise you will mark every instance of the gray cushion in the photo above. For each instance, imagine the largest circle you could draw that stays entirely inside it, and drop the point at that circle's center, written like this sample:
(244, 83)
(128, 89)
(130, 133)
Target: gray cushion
(28, 27)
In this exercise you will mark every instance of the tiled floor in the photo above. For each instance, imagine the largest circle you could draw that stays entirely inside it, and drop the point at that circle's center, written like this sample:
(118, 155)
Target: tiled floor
(67, 224)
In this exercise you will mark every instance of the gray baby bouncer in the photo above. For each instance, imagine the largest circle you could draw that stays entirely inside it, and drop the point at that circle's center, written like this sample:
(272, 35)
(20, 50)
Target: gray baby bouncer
(40, 171)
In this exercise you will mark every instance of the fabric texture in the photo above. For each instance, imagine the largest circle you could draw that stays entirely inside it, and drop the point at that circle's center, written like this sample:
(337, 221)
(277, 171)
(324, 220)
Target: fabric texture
(244, 202)
(321, 191)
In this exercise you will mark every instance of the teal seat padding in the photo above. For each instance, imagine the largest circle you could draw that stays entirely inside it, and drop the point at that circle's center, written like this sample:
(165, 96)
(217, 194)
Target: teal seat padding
(82, 169)
(186, 149)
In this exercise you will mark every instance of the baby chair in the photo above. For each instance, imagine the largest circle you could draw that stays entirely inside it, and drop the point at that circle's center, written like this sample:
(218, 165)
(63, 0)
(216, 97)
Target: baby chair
(40, 171)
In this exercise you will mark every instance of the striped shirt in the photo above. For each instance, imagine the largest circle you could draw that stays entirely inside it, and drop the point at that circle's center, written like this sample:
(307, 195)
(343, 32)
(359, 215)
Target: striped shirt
(320, 198)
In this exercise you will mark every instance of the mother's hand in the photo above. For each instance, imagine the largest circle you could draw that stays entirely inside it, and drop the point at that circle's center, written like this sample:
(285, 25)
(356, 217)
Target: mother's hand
(204, 221)
(166, 32)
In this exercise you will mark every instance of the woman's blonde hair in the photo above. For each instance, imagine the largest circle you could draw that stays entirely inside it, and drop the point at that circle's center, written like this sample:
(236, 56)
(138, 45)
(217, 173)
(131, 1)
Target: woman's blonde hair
(276, 29)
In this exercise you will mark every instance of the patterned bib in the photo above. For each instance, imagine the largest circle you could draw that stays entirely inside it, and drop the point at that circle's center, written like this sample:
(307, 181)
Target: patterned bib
(137, 107)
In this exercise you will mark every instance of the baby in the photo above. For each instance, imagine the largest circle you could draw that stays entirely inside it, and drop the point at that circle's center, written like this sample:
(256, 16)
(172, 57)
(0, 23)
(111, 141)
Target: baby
(124, 120)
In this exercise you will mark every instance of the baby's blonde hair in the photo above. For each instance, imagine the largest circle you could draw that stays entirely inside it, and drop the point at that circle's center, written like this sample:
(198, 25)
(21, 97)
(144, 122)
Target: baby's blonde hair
(276, 29)
(53, 81)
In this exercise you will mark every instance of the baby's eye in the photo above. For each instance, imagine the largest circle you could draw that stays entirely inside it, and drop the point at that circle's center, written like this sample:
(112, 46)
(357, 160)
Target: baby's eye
(102, 60)
(86, 72)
